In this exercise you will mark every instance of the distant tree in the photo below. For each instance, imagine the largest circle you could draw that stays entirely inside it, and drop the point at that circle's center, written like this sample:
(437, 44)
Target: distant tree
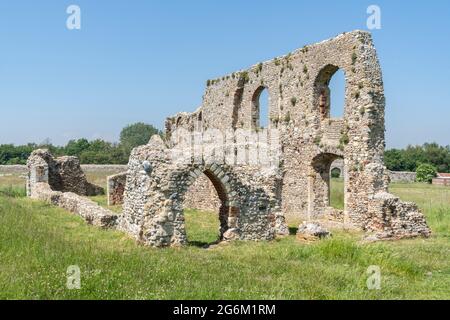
(393, 160)
(118, 155)
(10, 154)
(76, 147)
(135, 135)
(92, 157)
(425, 172)
(89, 152)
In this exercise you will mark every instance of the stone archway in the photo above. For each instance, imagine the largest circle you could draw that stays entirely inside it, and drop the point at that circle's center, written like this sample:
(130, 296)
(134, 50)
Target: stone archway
(229, 207)
(156, 187)
(319, 189)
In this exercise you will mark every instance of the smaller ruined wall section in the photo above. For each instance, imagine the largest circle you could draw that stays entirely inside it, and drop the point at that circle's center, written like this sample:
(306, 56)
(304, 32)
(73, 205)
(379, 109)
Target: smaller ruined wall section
(387, 217)
(116, 188)
(45, 173)
(67, 176)
(155, 195)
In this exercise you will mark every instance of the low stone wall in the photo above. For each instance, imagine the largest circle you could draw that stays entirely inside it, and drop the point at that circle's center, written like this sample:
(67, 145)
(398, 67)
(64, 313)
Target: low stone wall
(13, 170)
(91, 212)
(104, 168)
(116, 188)
(402, 176)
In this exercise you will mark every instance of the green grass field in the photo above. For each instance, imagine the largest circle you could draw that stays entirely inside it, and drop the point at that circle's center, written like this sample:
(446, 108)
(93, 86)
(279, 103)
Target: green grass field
(38, 242)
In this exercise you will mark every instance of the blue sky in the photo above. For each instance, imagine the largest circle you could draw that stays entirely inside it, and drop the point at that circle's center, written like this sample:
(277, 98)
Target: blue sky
(144, 60)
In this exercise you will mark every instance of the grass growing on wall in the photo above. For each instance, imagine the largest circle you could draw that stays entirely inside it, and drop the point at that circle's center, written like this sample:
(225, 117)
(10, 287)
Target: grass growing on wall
(38, 242)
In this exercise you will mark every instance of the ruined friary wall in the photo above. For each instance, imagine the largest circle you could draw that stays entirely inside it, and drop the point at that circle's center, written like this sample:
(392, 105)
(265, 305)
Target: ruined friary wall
(295, 83)
(299, 109)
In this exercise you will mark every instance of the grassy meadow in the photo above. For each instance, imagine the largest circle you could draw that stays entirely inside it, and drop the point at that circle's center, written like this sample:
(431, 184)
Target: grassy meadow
(38, 242)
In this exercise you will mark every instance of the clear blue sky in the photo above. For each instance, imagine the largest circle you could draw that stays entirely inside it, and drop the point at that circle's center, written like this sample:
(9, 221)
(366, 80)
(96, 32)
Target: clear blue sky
(144, 60)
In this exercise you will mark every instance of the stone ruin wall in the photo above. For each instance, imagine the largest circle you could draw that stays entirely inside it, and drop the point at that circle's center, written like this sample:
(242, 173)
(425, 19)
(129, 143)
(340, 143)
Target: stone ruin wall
(441, 181)
(61, 182)
(64, 174)
(299, 107)
(294, 83)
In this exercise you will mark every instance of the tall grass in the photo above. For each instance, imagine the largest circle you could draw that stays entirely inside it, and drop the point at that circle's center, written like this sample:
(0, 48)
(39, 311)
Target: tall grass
(202, 228)
(337, 193)
(38, 242)
(12, 191)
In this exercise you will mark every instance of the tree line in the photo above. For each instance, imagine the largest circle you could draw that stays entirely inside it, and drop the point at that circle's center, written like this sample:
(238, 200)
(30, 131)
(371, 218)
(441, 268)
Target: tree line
(89, 152)
(410, 158)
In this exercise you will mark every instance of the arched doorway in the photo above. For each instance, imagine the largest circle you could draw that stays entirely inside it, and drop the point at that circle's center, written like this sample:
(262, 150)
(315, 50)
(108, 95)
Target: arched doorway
(337, 188)
(208, 224)
(325, 192)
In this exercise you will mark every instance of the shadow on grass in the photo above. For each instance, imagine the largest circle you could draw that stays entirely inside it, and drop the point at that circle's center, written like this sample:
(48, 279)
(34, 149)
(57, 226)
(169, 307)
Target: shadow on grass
(293, 231)
(202, 244)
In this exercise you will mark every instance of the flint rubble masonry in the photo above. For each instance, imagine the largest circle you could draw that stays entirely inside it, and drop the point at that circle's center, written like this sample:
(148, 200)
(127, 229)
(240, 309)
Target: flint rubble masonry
(253, 201)
(61, 182)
